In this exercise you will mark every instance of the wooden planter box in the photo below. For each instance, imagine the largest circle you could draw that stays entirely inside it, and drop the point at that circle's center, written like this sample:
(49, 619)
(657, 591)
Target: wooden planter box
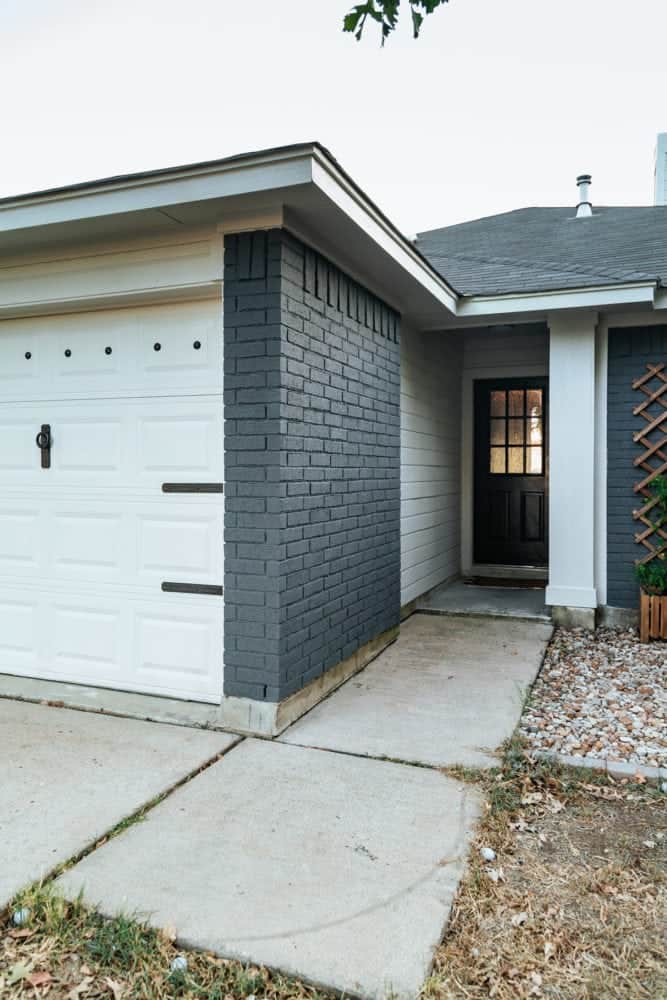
(652, 617)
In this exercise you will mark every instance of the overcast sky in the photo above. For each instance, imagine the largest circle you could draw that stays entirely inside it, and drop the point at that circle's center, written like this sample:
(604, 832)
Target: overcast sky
(498, 105)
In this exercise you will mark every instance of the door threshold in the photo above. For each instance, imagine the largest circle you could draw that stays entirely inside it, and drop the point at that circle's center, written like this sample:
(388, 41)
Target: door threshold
(505, 583)
(503, 571)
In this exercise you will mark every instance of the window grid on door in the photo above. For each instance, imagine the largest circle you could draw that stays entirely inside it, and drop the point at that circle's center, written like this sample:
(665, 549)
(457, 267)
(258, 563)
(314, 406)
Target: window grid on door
(516, 432)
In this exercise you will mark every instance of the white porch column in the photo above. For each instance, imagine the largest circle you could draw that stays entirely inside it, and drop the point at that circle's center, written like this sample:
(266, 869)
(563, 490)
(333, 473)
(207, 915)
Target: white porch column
(572, 465)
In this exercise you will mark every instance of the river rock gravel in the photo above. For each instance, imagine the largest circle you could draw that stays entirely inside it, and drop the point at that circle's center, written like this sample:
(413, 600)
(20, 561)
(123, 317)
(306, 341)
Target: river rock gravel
(601, 694)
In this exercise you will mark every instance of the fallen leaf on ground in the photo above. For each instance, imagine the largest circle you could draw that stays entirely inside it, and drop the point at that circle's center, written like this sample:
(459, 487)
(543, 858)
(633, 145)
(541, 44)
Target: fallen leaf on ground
(18, 972)
(83, 987)
(39, 978)
(117, 989)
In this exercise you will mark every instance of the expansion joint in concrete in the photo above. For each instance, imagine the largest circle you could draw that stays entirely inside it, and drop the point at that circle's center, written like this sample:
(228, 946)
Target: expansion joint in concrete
(138, 814)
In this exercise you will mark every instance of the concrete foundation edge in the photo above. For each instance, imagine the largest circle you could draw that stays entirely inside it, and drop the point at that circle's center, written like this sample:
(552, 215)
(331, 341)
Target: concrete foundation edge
(618, 617)
(268, 718)
(568, 617)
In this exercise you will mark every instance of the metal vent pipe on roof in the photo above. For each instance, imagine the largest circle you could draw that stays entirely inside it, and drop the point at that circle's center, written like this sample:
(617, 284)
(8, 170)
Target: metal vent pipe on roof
(584, 208)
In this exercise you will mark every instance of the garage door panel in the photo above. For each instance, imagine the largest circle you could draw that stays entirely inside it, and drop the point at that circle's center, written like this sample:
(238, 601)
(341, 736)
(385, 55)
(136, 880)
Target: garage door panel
(180, 546)
(87, 445)
(86, 543)
(17, 447)
(18, 632)
(114, 352)
(187, 444)
(19, 538)
(89, 540)
(90, 634)
(16, 370)
(96, 442)
(170, 647)
(174, 644)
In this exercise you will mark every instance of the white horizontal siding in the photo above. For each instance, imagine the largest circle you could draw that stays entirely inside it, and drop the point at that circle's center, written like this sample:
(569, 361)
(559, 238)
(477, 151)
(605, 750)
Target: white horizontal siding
(517, 349)
(430, 460)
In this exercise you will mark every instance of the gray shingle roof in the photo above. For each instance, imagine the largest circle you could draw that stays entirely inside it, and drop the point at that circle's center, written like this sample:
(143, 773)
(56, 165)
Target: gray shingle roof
(544, 249)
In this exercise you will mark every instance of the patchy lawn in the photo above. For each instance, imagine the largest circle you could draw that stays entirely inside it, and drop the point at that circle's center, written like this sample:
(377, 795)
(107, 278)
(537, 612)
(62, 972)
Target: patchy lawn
(68, 952)
(573, 906)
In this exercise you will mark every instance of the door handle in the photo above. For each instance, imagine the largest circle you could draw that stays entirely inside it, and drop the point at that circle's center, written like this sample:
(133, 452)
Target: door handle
(44, 442)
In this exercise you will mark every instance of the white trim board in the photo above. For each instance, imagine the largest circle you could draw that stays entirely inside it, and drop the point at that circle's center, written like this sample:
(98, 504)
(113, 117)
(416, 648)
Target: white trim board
(601, 540)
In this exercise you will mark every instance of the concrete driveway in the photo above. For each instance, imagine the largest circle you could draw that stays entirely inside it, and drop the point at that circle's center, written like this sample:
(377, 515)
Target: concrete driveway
(68, 777)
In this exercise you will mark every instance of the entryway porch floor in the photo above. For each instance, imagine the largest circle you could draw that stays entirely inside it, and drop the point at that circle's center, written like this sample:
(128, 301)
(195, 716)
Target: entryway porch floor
(461, 598)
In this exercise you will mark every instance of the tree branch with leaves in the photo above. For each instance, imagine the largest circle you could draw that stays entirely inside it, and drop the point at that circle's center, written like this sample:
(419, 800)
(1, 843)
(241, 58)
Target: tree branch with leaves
(386, 13)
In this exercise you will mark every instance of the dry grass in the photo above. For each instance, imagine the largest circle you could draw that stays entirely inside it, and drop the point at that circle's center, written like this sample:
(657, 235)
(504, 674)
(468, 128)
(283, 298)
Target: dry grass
(69, 952)
(579, 908)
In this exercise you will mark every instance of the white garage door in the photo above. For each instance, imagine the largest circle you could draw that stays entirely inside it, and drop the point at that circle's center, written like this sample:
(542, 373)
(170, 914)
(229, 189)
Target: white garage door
(110, 564)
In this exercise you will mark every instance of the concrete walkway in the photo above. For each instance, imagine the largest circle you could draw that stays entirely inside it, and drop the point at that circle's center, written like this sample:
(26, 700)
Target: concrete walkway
(459, 598)
(338, 870)
(449, 691)
(330, 866)
(69, 777)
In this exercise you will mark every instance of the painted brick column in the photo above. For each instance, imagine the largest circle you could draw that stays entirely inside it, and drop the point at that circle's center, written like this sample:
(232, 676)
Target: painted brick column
(312, 480)
(572, 461)
(255, 544)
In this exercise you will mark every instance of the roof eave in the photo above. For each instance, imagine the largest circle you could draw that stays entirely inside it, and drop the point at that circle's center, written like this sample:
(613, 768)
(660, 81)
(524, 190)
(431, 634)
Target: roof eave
(591, 297)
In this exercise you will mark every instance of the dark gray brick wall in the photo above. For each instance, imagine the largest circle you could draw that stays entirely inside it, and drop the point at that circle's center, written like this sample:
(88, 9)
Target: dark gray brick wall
(312, 466)
(630, 349)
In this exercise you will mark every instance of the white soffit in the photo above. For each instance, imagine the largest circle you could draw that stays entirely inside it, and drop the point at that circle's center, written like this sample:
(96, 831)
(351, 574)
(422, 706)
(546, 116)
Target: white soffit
(302, 184)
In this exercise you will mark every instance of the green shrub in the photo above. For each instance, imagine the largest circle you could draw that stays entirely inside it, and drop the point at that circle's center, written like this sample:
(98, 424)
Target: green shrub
(652, 576)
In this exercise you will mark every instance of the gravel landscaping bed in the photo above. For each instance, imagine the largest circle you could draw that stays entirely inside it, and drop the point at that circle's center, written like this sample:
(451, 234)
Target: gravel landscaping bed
(601, 694)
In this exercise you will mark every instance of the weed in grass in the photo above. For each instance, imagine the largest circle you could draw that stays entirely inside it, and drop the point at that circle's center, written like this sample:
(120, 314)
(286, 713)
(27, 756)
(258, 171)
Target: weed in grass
(249, 982)
(121, 943)
(74, 944)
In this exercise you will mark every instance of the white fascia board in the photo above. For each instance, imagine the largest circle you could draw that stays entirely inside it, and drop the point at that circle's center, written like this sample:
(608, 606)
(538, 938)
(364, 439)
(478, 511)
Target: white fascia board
(351, 201)
(583, 298)
(157, 191)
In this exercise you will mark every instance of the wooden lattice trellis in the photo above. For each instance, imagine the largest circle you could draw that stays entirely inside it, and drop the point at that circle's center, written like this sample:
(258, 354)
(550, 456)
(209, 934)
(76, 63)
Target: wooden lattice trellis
(653, 460)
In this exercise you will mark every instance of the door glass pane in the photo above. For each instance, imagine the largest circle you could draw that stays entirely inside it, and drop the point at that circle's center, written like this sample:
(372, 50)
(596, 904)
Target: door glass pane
(516, 402)
(515, 431)
(497, 432)
(534, 430)
(515, 460)
(497, 463)
(534, 461)
(534, 402)
(498, 403)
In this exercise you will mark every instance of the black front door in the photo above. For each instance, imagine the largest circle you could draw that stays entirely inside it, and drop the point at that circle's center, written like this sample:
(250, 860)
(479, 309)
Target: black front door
(510, 515)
